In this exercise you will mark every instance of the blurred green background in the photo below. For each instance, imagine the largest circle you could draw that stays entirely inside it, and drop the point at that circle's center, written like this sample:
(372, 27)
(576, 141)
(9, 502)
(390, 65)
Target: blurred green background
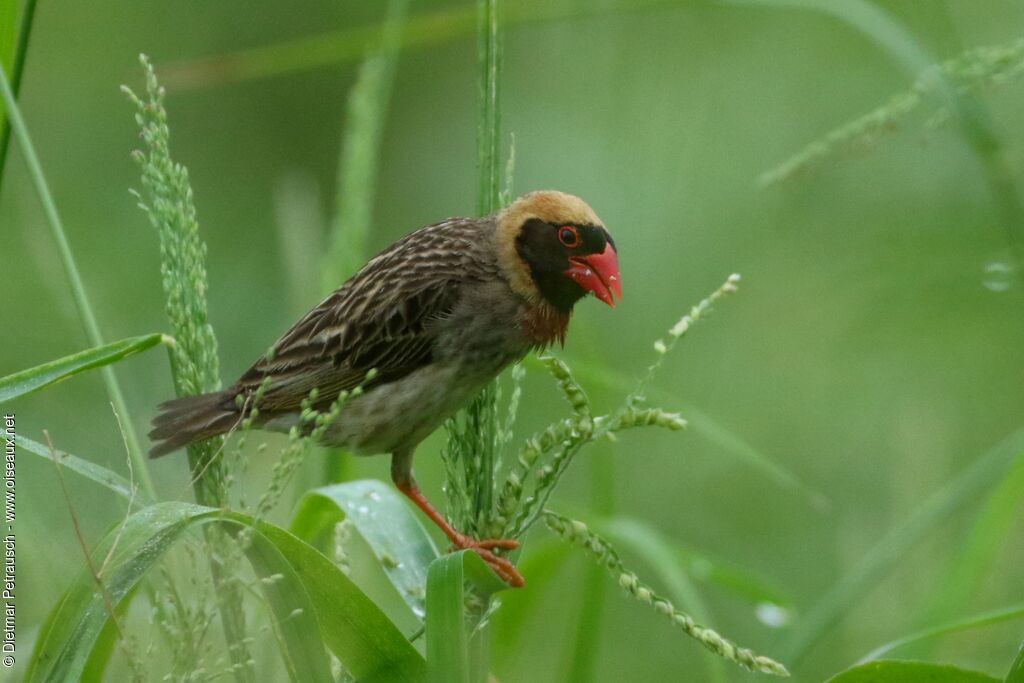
(870, 351)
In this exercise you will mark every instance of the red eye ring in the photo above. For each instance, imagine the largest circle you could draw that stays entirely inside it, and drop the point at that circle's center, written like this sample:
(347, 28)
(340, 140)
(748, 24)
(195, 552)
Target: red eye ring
(569, 236)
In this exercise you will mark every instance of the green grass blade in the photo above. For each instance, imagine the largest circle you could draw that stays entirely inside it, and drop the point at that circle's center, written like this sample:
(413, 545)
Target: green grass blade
(8, 31)
(92, 328)
(312, 602)
(33, 379)
(512, 622)
(399, 541)
(301, 642)
(977, 621)
(653, 548)
(880, 559)
(447, 651)
(12, 60)
(975, 123)
(448, 659)
(582, 655)
(366, 113)
(1016, 674)
(358, 633)
(910, 672)
(704, 425)
(640, 536)
(987, 538)
(90, 470)
(105, 645)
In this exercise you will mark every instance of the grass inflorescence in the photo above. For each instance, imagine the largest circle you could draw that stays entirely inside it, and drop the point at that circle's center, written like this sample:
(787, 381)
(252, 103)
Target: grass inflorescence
(973, 70)
(488, 495)
(533, 474)
(168, 200)
(577, 533)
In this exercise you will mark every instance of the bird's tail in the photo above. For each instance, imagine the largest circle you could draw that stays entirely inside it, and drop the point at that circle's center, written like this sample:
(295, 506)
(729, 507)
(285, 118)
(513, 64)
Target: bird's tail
(183, 421)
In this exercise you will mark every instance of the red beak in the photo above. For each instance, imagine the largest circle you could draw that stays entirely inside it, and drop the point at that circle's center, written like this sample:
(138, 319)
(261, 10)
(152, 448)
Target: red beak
(598, 273)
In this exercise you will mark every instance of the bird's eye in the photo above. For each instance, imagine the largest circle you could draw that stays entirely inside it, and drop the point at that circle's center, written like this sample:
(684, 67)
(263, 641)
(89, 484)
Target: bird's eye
(569, 236)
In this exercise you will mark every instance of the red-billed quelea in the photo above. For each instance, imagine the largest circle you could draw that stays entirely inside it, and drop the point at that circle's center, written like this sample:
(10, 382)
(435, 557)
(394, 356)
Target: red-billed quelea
(437, 315)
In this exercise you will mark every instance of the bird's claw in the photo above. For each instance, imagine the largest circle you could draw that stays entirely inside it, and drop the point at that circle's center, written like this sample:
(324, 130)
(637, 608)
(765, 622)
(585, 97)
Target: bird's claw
(502, 567)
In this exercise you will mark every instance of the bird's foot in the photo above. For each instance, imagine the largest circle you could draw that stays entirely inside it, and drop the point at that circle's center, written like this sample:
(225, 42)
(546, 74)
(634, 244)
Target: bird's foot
(502, 567)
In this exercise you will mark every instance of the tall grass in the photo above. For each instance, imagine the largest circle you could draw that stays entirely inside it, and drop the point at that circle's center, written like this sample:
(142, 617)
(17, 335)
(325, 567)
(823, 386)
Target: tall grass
(15, 32)
(308, 605)
(366, 113)
(78, 291)
(950, 85)
(167, 199)
(471, 453)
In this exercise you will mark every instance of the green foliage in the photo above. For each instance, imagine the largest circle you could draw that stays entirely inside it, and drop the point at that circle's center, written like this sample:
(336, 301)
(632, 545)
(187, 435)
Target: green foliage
(56, 226)
(677, 564)
(576, 532)
(453, 656)
(827, 405)
(8, 31)
(1016, 674)
(890, 549)
(33, 379)
(472, 450)
(167, 199)
(971, 71)
(973, 622)
(311, 601)
(366, 113)
(991, 531)
(90, 470)
(398, 540)
(910, 672)
(14, 37)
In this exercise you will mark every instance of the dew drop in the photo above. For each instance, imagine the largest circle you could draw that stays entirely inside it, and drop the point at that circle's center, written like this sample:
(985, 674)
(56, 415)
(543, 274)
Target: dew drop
(998, 276)
(772, 615)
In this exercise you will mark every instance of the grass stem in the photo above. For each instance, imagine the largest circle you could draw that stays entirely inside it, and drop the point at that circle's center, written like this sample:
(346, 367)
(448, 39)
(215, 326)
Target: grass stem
(92, 329)
(17, 70)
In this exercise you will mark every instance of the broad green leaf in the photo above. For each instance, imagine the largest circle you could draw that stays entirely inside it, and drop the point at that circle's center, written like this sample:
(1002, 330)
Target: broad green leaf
(33, 379)
(448, 659)
(359, 634)
(90, 470)
(390, 527)
(513, 620)
(96, 665)
(910, 672)
(8, 31)
(977, 621)
(1016, 674)
(874, 564)
(987, 538)
(312, 602)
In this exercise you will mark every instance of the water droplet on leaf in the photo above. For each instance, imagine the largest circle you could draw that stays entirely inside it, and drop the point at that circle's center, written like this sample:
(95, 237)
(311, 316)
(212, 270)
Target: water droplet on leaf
(772, 615)
(999, 275)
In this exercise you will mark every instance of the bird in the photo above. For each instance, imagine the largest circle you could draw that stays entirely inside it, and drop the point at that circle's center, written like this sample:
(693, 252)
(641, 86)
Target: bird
(422, 328)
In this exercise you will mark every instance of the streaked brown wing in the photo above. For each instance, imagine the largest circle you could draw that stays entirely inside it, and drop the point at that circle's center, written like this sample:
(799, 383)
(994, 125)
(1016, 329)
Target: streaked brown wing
(380, 319)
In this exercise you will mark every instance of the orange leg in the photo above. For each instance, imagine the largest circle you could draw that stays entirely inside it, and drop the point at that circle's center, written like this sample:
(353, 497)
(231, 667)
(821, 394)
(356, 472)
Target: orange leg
(502, 567)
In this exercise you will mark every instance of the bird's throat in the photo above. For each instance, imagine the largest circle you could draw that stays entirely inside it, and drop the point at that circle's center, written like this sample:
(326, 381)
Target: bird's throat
(543, 324)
